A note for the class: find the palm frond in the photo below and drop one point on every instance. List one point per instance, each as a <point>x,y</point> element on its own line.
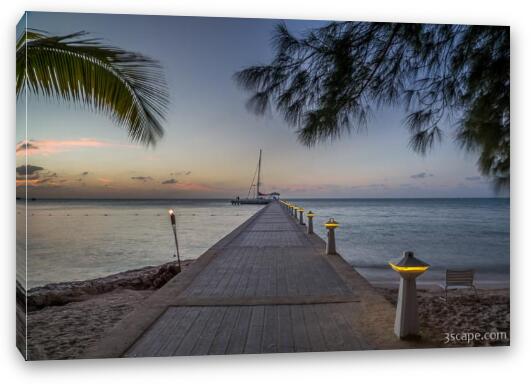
<point>126,86</point>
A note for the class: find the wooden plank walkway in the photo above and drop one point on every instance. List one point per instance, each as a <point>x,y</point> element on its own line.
<point>266,287</point>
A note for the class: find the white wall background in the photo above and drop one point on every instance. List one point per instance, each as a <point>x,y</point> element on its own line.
<point>435,366</point>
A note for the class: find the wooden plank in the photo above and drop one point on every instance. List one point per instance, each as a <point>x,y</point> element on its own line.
<point>285,331</point>
<point>245,275</point>
<point>163,341</point>
<point>270,331</point>
<point>206,338</point>
<point>256,328</point>
<point>221,340</point>
<point>145,346</point>
<point>346,335</point>
<point>238,337</point>
<point>231,276</point>
<point>333,339</point>
<point>194,332</point>
<point>261,300</point>
<point>346,312</point>
<point>313,329</point>
<point>300,336</point>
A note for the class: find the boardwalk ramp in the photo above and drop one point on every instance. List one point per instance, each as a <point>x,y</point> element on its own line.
<point>266,287</point>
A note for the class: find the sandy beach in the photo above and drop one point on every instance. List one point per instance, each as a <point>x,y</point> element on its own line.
<point>451,323</point>
<point>66,318</point>
<point>66,331</point>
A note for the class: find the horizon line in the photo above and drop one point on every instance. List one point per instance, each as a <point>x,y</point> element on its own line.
<point>228,198</point>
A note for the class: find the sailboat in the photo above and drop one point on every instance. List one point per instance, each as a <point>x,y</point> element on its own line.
<point>259,197</point>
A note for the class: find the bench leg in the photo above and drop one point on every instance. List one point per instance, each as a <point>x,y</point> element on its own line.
<point>476,292</point>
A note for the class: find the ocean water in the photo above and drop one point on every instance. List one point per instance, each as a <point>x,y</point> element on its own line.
<point>76,240</point>
<point>446,233</point>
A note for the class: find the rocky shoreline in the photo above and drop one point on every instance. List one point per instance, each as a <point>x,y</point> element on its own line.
<point>146,278</point>
<point>64,319</point>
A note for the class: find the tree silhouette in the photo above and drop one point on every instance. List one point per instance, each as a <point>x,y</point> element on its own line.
<point>126,86</point>
<point>331,79</point>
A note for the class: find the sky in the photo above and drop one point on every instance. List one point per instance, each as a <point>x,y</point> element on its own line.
<point>211,141</point>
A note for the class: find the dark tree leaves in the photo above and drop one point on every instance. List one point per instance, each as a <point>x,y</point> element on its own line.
<point>329,80</point>
<point>126,86</point>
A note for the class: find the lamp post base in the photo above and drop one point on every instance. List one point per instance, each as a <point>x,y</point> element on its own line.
<point>407,321</point>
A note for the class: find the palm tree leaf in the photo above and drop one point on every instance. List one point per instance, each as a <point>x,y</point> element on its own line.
<point>126,86</point>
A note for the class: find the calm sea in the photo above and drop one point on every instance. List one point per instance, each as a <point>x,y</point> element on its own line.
<point>76,240</point>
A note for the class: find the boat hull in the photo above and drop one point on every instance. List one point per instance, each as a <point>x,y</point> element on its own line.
<point>252,201</point>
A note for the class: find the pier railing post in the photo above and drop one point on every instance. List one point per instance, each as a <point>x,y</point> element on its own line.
<point>331,225</point>
<point>301,217</point>
<point>407,320</point>
<point>310,215</point>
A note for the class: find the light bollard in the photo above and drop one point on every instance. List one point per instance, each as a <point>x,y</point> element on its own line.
<point>331,226</point>
<point>294,213</point>
<point>301,219</point>
<point>407,320</point>
<point>310,216</point>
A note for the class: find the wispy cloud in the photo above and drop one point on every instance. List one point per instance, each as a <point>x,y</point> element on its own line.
<point>473,178</point>
<point>421,175</point>
<point>28,169</point>
<point>47,147</point>
<point>32,175</point>
<point>181,173</point>
<point>169,181</point>
<point>142,178</point>
<point>23,145</point>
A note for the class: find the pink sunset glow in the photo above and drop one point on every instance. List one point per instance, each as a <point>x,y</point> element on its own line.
<point>48,147</point>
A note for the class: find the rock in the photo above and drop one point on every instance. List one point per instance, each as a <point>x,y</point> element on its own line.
<point>147,278</point>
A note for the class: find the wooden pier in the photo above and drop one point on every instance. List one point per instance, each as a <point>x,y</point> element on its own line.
<point>266,287</point>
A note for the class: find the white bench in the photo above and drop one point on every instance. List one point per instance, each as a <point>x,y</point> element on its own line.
<point>459,278</point>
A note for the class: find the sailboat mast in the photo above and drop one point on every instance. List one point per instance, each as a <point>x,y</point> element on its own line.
<point>258,180</point>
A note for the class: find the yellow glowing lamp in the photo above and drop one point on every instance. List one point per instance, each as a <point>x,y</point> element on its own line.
<point>310,214</point>
<point>331,223</point>
<point>408,269</point>
<point>301,209</point>
<point>409,265</point>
